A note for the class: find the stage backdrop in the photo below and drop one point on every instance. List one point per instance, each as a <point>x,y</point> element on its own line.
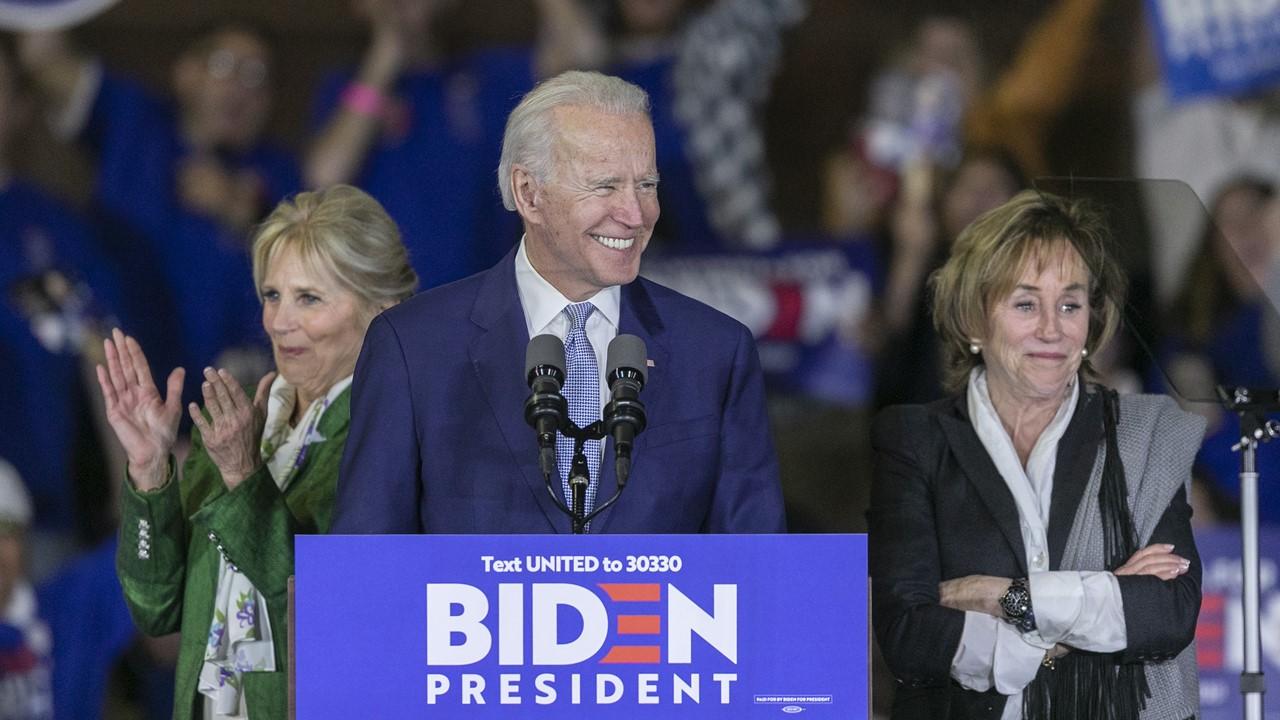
<point>1220,632</point>
<point>608,626</point>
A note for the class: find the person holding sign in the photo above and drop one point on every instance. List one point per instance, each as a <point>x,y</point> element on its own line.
<point>1030,538</point>
<point>209,554</point>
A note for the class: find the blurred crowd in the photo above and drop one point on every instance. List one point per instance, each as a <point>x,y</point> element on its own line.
<point>836,296</point>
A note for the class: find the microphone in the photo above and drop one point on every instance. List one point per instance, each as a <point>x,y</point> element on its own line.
<point>624,416</point>
<point>546,409</point>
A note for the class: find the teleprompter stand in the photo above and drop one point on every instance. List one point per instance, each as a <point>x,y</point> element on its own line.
<point>1252,405</point>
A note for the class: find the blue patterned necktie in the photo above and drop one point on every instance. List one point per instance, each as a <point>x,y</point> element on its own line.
<point>582,391</point>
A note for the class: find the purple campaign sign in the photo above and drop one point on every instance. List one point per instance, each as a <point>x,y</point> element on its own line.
<point>1220,629</point>
<point>555,626</point>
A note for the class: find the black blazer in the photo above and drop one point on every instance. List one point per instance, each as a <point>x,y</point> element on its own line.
<point>940,510</point>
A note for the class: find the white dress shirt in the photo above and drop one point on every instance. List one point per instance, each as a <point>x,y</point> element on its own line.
<point>544,313</point>
<point>1079,608</point>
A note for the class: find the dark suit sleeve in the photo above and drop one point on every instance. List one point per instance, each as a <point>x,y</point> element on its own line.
<point>748,493</point>
<point>379,485</point>
<point>917,636</point>
<point>1160,615</point>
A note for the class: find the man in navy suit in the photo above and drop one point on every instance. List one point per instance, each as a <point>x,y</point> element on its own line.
<point>438,441</point>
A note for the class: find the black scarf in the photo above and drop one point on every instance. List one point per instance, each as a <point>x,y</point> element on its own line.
<point>1085,684</point>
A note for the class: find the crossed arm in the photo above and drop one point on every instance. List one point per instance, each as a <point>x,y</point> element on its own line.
<point>1145,609</point>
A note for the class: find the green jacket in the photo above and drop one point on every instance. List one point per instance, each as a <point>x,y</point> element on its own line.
<point>170,540</point>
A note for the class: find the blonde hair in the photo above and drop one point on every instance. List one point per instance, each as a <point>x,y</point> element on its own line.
<point>345,232</point>
<point>990,256</point>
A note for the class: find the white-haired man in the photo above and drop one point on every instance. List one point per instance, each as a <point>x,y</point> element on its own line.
<point>438,440</point>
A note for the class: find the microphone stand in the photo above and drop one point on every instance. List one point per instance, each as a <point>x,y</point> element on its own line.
<point>580,477</point>
<point>1251,404</point>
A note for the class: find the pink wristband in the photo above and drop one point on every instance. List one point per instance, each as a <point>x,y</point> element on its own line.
<point>363,99</point>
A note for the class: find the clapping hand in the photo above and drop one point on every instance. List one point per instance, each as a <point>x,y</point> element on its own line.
<point>233,432</point>
<point>145,425</point>
<point>208,187</point>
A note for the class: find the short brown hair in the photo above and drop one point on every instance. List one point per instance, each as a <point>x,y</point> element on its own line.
<point>989,257</point>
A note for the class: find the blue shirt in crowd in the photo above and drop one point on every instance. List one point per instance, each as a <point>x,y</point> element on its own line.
<point>43,404</point>
<point>434,166</point>
<point>684,225</point>
<point>183,268</point>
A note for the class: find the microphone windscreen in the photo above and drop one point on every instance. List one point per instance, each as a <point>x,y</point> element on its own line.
<point>544,350</point>
<point>627,351</point>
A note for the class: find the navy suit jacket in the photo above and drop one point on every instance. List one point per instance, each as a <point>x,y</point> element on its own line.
<point>438,441</point>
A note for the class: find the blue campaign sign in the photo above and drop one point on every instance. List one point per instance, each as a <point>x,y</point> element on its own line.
<point>556,626</point>
<point>1208,47</point>
<point>1220,629</point>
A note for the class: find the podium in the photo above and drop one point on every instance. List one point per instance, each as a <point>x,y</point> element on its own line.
<point>600,626</point>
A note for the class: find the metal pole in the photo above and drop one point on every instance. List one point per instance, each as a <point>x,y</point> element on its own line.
<point>1252,682</point>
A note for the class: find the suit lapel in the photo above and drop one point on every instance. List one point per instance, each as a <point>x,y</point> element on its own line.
<point>984,476</point>
<point>637,316</point>
<point>497,356</point>
<point>1077,451</point>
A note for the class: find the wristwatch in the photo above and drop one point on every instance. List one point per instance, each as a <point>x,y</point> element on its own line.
<point>1016,603</point>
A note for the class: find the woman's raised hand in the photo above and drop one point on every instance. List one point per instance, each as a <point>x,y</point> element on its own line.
<point>145,425</point>
<point>1155,559</point>
<point>233,433</point>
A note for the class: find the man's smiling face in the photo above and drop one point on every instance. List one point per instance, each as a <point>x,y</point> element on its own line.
<point>592,217</point>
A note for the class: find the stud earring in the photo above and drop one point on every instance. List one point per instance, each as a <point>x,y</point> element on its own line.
<point>1084,352</point>
<point>975,348</point>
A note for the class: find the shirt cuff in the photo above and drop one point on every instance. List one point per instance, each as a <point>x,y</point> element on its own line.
<point>1081,609</point>
<point>971,666</point>
<point>1017,658</point>
<point>992,653</point>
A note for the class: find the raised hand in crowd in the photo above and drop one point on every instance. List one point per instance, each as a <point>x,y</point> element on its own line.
<point>400,35</point>
<point>915,235</point>
<point>54,65</point>
<point>394,27</point>
<point>207,186</point>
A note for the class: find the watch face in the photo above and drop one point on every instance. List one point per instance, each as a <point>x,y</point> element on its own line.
<point>1016,601</point>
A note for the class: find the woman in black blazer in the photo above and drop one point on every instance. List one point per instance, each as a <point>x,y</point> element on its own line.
<point>1030,542</point>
